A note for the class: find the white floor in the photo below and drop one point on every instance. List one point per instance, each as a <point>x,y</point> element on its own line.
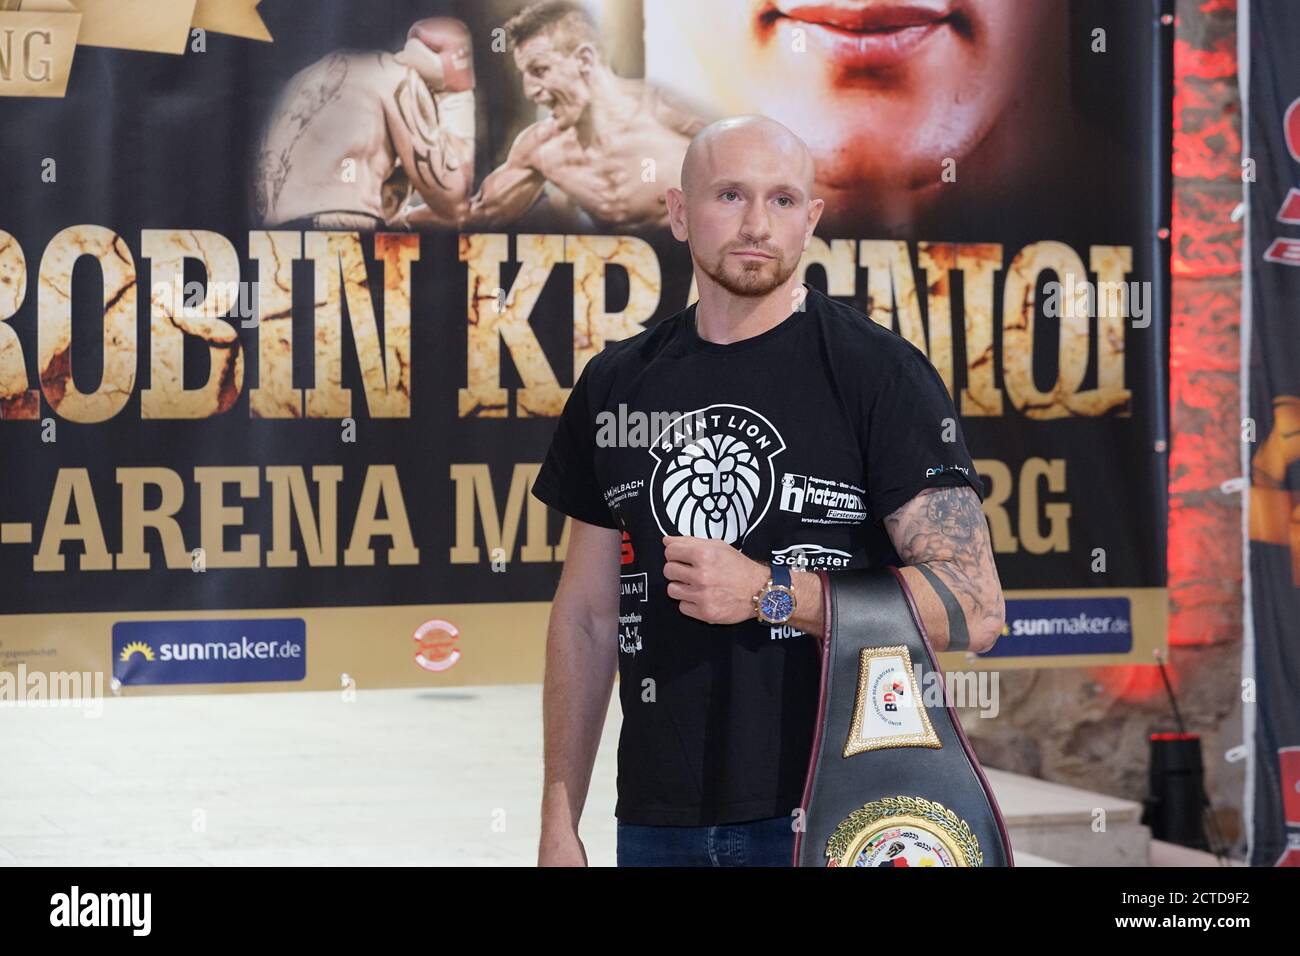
<point>396,777</point>
<point>382,777</point>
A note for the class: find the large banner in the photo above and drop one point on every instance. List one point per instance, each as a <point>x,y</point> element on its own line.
<point>1270,85</point>
<point>292,294</point>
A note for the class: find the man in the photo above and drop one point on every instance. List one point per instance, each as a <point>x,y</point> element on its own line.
<point>610,149</point>
<point>354,132</point>
<point>792,431</point>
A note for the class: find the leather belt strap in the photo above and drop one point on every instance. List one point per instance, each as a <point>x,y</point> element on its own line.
<point>893,780</point>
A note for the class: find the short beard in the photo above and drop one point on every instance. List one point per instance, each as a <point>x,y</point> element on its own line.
<point>750,283</point>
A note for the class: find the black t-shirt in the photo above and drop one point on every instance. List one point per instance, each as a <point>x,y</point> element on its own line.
<point>791,445</point>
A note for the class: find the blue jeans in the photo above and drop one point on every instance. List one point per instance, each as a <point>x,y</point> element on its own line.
<point>767,842</point>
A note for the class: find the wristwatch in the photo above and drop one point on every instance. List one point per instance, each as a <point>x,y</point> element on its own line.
<point>774,602</point>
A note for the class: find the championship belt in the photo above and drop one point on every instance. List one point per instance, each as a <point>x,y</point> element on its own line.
<point>892,780</point>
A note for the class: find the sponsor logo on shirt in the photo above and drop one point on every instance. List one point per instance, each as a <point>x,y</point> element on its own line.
<point>714,475</point>
<point>811,556</point>
<point>633,586</point>
<point>822,500</point>
<point>942,469</point>
<point>629,632</point>
<point>615,495</point>
<point>782,631</point>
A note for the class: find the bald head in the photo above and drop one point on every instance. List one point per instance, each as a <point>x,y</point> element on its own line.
<point>746,206</point>
<point>718,150</point>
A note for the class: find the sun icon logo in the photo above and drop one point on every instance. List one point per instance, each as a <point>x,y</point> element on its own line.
<point>136,647</point>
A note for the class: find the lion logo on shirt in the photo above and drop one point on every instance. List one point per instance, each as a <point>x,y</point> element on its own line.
<point>714,475</point>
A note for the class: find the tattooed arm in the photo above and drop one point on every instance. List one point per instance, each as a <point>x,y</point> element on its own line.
<point>434,140</point>
<point>310,91</point>
<point>942,538</point>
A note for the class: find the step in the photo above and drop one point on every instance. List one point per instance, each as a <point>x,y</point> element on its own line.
<point>1068,825</point>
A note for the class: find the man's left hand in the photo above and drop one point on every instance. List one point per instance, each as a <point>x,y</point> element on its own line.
<point>712,580</point>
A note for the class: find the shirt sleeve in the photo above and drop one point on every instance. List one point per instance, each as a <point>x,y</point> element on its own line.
<point>906,426</point>
<point>567,479</point>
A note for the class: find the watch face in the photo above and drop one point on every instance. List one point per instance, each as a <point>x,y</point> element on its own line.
<point>777,606</point>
